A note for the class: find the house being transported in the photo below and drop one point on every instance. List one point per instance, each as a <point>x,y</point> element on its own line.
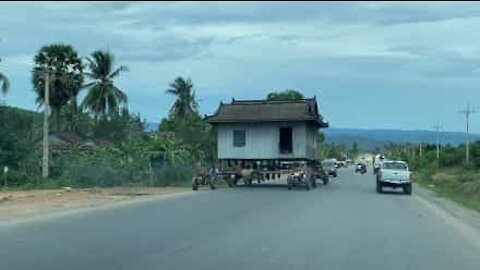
<point>252,132</point>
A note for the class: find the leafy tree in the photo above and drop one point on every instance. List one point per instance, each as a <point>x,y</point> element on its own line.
<point>4,82</point>
<point>75,121</point>
<point>103,96</point>
<point>17,133</point>
<point>196,133</point>
<point>66,70</point>
<point>355,150</point>
<point>185,104</point>
<point>288,94</point>
<point>118,127</point>
<point>168,151</point>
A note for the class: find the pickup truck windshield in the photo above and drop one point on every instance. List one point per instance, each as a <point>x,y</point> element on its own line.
<point>395,166</point>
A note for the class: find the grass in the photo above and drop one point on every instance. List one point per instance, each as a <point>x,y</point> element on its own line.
<point>457,185</point>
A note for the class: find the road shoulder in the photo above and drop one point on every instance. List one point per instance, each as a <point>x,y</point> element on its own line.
<point>465,220</point>
<point>32,205</point>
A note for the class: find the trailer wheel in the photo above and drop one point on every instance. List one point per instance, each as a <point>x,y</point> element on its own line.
<point>307,186</point>
<point>325,180</point>
<point>229,182</point>
<point>313,181</point>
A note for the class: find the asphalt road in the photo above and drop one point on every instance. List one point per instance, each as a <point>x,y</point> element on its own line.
<point>344,225</point>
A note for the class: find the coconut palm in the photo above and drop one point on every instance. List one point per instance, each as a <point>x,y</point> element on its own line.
<point>185,104</point>
<point>103,96</point>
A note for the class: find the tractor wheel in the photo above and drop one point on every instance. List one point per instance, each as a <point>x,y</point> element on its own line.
<point>194,184</point>
<point>229,182</point>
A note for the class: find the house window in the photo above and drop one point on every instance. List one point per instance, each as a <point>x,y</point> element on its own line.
<point>286,144</point>
<point>239,138</point>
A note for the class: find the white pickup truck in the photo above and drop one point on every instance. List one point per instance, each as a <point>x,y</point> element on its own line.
<point>394,174</point>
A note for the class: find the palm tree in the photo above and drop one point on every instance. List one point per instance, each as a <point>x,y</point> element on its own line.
<point>66,75</point>
<point>185,105</point>
<point>103,96</point>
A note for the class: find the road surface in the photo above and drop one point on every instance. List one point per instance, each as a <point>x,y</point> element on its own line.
<point>344,225</point>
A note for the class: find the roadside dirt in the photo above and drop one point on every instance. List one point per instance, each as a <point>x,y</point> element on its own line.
<point>24,204</point>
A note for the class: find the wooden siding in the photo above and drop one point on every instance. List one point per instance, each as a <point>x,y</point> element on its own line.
<point>262,141</point>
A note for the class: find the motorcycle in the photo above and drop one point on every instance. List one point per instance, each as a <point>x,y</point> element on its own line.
<point>361,168</point>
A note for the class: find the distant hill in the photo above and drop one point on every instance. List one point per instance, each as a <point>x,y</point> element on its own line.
<point>369,139</point>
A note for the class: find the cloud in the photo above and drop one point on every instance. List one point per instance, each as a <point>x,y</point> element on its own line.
<point>236,49</point>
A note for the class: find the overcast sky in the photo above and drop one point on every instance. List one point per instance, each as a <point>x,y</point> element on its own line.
<point>371,65</point>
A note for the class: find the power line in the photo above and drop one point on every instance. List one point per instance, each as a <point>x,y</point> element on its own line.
<point>467,112</point>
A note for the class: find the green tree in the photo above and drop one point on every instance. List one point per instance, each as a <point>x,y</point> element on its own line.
<point>118,127</point>
<point>167,150</point>
<point>185,104</point>
<point>103,96</point>
<point>17,133</point>
<point>288,94</point>
<point>196,133</point>
<point>66,75</point>
<point>4,82</point>
<point>355,150</point>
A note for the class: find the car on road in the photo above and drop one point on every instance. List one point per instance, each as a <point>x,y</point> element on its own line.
<point>341,164</point>
<point>349,161</point>
<point>394,174</point>
<point>330,167</point>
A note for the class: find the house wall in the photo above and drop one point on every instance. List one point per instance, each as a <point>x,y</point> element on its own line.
<point>262,141</point>
<point>311,143</point>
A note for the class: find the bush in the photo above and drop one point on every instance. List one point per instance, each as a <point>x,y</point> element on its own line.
<point>169,175</point>
<point>105,167</point>
<point>464,178</point>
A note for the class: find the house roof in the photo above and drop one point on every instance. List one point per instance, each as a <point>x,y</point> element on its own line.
<point>69,137</point>
<point>268,111</point>
<point>61,138</point>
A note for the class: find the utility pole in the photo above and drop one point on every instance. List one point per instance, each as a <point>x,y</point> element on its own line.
<point>467,112</point>
<point>438,128</point>
<point>46,105</point>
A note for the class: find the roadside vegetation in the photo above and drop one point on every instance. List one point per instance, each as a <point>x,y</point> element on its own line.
<point>103,143</point>
<point>449,175</point>
<point>95,141</point>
